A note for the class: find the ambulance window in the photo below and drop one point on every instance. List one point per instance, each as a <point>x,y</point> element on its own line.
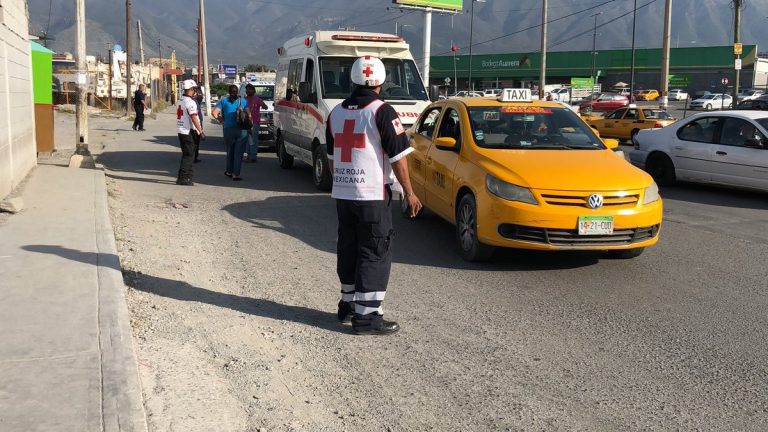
<point>427,123</point>
<point>309,75</point>
<point>294,75</point>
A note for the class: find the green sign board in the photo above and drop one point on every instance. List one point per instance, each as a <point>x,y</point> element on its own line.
<point>441,4</point>
<point>582,83</point>
<point>679,80</point>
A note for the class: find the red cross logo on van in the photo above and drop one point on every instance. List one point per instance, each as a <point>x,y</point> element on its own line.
<point>348,139</point>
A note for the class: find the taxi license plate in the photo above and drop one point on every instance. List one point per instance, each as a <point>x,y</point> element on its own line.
<point>595,225</point>
<point>263,132</point>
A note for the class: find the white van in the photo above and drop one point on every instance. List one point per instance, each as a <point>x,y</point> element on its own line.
<point>313,77</point>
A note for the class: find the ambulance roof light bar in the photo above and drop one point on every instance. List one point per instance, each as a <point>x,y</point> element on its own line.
<point>368,38</point>
<point>515,95</point>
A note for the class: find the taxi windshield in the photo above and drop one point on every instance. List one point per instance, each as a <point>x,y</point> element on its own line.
<point>526,127</point>
<point>402,79</point>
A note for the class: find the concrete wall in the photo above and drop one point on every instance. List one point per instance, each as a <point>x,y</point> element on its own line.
<point>17,117</point>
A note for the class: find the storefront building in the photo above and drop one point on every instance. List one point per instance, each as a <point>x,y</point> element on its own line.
<point>701,67</point>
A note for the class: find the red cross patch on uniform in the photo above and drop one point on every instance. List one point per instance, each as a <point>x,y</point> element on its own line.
<point>398,126</point>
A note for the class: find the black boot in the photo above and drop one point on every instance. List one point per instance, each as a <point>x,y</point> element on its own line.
<point>184,181</point>
<point>373,325</point>
<point>345,311</point>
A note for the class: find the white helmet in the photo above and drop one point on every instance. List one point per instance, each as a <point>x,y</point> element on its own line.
<point>188,84</point>
<point>368,71</point>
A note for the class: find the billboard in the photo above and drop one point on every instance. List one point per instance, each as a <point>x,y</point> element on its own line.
<point>227,70</point>
<point>441,4</point>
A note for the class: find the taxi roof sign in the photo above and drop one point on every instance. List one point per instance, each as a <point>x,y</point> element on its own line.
<point>515,95</point>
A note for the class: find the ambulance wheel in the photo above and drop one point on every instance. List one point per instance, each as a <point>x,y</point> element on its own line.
<point>320,173</point>
<point>286,160</point>
<point>466,231</point>
<point>405,209</point>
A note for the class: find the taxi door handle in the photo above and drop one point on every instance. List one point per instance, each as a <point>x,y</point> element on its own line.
<point>679,148</point>
<point>721,153</point>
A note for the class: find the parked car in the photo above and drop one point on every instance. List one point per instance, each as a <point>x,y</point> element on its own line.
<point>761,103</point>
<point>647,95</point>
<point>677,95</point>
<point>712,101</point>
<point>491,92</point>
<point>561,94</point>
<point>605,102</point>
<point>749,94</point>
<point>465,93</point>
<point>726,148</point>
<point>624,91</point>
<point>624,123</point>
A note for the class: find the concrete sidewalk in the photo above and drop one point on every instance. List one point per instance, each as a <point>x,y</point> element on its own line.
<point>67,361</point>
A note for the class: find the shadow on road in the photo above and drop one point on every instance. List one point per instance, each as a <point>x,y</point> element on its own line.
<point>183,291</point>
<point>427,241</point>
<point>716,196</point>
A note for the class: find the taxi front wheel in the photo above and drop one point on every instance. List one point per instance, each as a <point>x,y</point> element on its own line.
<point>466,231</point>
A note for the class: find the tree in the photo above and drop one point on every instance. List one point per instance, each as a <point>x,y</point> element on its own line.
<point>250,67</point>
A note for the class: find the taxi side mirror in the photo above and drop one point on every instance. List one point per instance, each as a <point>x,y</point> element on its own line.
<point>611,143</point>
<point>446,143</point>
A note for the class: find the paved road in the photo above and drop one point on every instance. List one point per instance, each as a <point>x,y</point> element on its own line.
<point>673,340</point>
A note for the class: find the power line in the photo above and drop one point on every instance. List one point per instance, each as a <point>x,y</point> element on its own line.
<point>535,26</point>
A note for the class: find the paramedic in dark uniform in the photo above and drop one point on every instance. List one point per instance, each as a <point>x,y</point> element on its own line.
<point>366,145</point>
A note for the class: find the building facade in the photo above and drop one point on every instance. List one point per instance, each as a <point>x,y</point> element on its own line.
<point>702,68</point>
<point>17,115</point>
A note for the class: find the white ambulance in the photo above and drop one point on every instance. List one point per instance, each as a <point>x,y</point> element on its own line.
<point>313,77</point>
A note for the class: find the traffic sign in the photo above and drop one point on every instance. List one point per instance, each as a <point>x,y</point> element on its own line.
<point>447,80</point>
<point>724,81</point>
<point>679,80</point>
<point>737,64</point>
<point>737,48</point>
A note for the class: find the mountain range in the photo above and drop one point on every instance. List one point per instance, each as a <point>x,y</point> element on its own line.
<point>250,31</point>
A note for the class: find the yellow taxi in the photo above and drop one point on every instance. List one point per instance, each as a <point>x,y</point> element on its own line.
<point>624,123</point>
<point>512,172</point>
<point>647,95</point>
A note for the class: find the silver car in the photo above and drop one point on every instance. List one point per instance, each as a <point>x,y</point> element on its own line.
<point>712,101</point>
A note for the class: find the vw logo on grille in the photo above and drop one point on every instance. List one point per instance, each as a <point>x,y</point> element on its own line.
<point>595,201</point>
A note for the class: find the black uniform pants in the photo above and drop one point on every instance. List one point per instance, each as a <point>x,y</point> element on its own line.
<point>138,122</point>
<point>187,144</point>
<point>363,256</point>
<point>196,138</point>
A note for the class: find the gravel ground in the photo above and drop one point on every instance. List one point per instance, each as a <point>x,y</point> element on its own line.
<point>232,291</point>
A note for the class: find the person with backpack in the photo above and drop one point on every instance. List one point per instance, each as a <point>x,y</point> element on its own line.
<point>235,134</point>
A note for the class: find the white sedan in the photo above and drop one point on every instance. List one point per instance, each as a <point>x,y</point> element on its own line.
<point>677,95</point>
<point>712,101</point>
<point>727,148</point>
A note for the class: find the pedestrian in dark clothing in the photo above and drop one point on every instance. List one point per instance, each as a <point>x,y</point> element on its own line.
<point>187,121</point>
<point>366,145</point>
<point>139,105</point>
<point>198,100</point>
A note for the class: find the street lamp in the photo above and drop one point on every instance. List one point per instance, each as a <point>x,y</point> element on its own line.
<point>471,23</point>
<point>594,52</point>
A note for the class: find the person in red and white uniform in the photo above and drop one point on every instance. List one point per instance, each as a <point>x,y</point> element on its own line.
<point>367,148</point>
<point>187,124</point>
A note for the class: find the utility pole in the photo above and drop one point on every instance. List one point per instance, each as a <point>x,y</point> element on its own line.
<point>543,67</point>
<point>141,42</point>
<point>594,54</point>
<point>665,53</point>
<point>128,95</point>
<point>205,59</point>
<point>632,66</point>
<point>471,24</point>
<point>737,5</point>
<point>199,49</point>
<point>109,68</point>
<point>427,43</point>
<point>81,106</point>
<point>82,157</point>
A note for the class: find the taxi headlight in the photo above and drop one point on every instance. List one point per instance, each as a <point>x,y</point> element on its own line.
<point>651,194</point>
<point>509,191</point>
